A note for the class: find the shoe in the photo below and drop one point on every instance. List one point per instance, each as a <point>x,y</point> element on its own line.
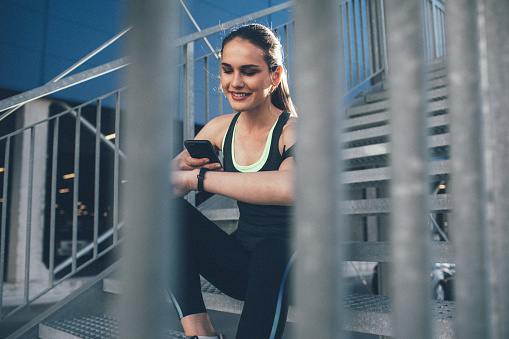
<point>219,336</point>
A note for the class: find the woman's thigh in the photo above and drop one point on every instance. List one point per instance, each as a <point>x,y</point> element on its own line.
<point>218,257</point>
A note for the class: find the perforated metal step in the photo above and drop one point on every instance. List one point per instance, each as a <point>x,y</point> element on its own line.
<point>93,327</point>
<point>373,314</point>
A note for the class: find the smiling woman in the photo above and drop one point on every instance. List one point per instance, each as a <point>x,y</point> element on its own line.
<point>258,171</point>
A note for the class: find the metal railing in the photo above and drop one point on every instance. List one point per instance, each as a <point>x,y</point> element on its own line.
<point>81,196</point>
<point>362,36</point>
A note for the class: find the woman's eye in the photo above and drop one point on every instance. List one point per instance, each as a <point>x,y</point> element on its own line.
<point>227,71</point>
<point>249,73</point>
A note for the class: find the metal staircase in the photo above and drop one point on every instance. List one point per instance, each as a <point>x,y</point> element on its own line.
<point>87,313</point>
<point>90,311</point>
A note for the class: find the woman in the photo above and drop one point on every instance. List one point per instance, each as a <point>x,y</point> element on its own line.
<point>258,172</point>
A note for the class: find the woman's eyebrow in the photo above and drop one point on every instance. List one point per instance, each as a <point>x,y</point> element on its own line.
<point>242,67</point>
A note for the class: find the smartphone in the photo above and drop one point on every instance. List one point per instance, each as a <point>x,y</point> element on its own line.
<point>202,149</point>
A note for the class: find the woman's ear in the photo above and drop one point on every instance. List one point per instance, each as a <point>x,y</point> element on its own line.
<point>276,76</point>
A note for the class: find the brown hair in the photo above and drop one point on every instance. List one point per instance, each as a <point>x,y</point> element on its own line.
<point>263,37</point>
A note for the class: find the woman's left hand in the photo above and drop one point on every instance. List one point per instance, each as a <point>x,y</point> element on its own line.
<point>184,182</point>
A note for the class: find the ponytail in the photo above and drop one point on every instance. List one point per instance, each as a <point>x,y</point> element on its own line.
<point>281,98</point>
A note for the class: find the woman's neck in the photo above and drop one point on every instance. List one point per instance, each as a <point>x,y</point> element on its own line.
<point>261,119</point>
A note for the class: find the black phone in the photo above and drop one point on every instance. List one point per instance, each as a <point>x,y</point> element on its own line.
<point>202,149</point>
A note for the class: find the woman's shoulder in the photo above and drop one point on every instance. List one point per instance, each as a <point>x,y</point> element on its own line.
<point>216,128</point>
<point>289,133</point>
<point>221,122</point>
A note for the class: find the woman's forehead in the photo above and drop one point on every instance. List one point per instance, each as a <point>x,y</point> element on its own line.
<point>241,50</point>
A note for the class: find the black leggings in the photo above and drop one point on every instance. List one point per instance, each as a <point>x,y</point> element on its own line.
<point>257,277</point>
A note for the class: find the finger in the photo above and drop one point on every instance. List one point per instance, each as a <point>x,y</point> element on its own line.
<point>214,166</point>
<point>194,162</point>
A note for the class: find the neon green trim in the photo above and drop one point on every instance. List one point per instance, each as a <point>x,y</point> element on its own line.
<point>263,159</point>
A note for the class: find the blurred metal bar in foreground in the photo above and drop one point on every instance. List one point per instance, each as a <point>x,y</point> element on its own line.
<point>318,221</point>
<point>409,231</point>
<point>468,222</point>
<point>147,138</point>
<point>494,47</point>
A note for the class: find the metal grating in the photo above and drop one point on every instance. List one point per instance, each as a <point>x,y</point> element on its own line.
<point>382,304</point>
<point>92,327</point>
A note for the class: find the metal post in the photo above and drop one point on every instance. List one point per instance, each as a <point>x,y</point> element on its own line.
<point>409,234</point>
<point>319,223</point>
<point>189,92</point>
<point>147,206</point>
<point>494,48</point>
<point>3,221</point>
<point>467,176</point>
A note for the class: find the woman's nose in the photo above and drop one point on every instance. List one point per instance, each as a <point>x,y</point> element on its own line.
<point>237,80</point>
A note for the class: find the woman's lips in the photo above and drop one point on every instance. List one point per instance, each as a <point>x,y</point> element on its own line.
<point>239,96</point>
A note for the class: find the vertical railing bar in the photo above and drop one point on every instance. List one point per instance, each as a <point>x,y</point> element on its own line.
<point>29,213</point>
<point>350,76</point>
<point>184,84</point>
<point>77,137</point>
<point>207,101</point>
<point>379,37</point>
<point>365,57</point>
<point>287,53</point>
<point>116,170</point>
<point>384,36</point>
<point>409,187</point>
<point>442,36</point>
<point>342,40</point>
<point>435,27</point>
<point>426,27</point>
<point>220,91</point>
<point>148,257</point>
<point>372,38</point>
<point>54,179</point>
<point>188,121</point>
<point>356,42</point>
<point>97,178</point>
<point>468,185</point>
<point>375,47</point>
<point>493,28</point>
<point>318,226</point>
<point>3,226</point>
<point>189,111</point>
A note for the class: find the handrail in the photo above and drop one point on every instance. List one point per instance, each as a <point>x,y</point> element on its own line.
<point>61,84</point>
<point>199,29</point>
<point>232,23</point>
<point>91,54</point>
<point>76,65</point>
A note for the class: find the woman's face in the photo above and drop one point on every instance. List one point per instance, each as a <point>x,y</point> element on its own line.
<point>245,78</point>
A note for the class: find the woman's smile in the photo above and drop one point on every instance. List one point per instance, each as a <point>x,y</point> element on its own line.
<point>239,96</point>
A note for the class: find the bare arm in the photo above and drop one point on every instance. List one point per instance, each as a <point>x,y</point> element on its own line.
<point>263,188</point>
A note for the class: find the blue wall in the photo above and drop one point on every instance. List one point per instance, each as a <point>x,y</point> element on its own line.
<point>39,39</point>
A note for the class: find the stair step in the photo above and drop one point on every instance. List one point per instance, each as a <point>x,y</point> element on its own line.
<point>374,251</point>
<point>373,314</point>
<point>222,214</point>
<point>436,90</point>
<point>373,177</point>
<point>369,207</point>
<point>91,327</point>
<point>365,313</point>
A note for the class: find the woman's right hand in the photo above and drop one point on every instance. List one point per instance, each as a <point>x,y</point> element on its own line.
<point>184,162</point>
